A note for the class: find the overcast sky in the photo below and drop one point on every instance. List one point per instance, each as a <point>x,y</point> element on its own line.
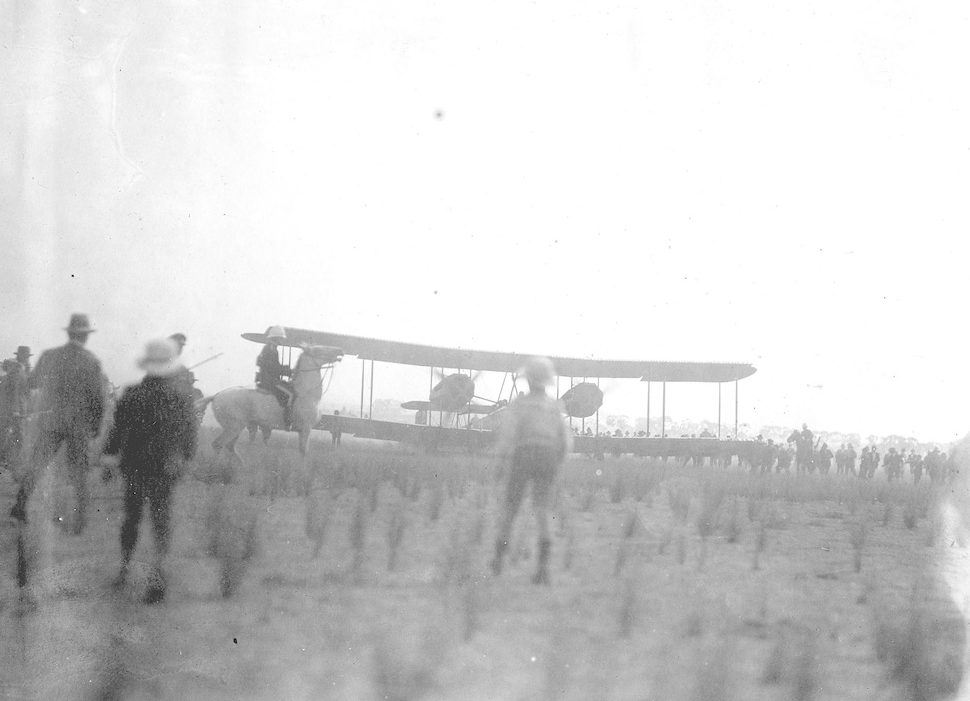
<point>780,184</point>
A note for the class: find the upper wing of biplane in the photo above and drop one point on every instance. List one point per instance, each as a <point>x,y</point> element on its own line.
<point>438,356</point>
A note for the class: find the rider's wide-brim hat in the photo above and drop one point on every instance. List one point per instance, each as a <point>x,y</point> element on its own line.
<point>161,358</point>
<point>79,323</point>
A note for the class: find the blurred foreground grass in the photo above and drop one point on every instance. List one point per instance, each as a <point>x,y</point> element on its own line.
<point>364,576</point>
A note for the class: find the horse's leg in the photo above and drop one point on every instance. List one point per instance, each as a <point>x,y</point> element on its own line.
<point>233,458</point>
<point>304,443</point>
<point>267,432</point>
<point>251,427</point>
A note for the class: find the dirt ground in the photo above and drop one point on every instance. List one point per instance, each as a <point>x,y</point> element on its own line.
<point>667,583</point>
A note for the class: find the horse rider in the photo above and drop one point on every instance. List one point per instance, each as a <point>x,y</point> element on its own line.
<point>71,406</point>
<point>270,373</point>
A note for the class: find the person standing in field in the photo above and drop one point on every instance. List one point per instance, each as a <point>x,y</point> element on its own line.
<point>154,435</point>
<point>23,357</point>
<point>824,459</point>
<point>534,440</point>
<point>71,408</point>
<point>13,406</point>
<point>336,431</point>
<point>850,457</point>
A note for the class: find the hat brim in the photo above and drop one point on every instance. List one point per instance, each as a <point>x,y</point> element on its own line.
<point>160,368</point>
<point>74,329</point>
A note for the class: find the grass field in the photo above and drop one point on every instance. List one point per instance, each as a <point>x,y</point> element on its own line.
<point>668,583</point>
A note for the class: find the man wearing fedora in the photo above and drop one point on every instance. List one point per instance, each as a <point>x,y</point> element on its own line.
<point>154,434</point>
<point>71,407</point>
<point>23,357</point>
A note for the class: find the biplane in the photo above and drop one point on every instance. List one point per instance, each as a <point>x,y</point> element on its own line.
<point>454,416</point>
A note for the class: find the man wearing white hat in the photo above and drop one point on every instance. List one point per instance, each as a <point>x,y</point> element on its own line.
<point>534,439</point>
<point>154,434</point>
<point>71,407</point>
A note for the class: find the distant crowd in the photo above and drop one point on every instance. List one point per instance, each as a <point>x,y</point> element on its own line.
<point>804,453</point>
<point>809,454</point>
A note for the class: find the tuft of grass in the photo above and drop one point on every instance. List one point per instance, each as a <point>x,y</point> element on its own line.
<point>436,502</point>
<point>471,607</point>
<point>679,500</point>
<point>681,548</point>
<point>478,529</point>
<point>621,557</point>
<point>759,546</point>
<point>414,490</point>
<point>456,564</point>
<point>358,538</point>
<point>626,615</point>
<point>631,524</point>
<point>694,624</point>
<point>618,489</point>
<point>402,672</point>
<point>716,676</point>
<point>560,662</point>
<point>857,537</point>
<point>317,520</point>
<point>910,514</point>
<point>570,550</point>
<point>922,653</point>
<point>805,684</point>
<point>777,661</point>
<point>395,534</point>
<point>732,529</point>
<point>887,514</point>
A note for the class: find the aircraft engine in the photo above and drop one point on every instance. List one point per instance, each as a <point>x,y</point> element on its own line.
<point>583,400</point>
<point>453,393</point>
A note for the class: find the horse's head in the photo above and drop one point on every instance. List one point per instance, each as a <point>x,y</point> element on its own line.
<point>315,357</point>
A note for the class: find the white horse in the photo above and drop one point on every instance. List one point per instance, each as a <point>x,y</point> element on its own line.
<point>238,407</point>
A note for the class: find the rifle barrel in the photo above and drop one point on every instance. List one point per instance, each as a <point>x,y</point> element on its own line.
<point>203,362</point>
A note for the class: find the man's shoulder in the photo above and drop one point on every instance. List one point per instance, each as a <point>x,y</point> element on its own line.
<point>73,351</point>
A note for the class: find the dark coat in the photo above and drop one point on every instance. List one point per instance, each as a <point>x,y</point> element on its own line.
<point>13,392</point>
<point>71,388</point>
<point>154,427</point>
<point>185,380</point>
<point>271,370</point>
